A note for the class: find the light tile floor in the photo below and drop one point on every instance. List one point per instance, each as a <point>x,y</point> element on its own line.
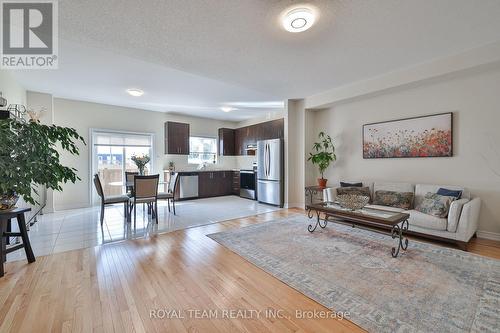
<point>81,228</point>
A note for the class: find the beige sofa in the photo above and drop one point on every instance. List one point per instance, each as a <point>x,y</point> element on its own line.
<point>460,225</point>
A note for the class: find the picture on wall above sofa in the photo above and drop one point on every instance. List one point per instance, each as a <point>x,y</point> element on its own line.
<point>426,136</point>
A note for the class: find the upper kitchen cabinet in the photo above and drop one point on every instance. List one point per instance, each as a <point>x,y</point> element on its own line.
<point>226,142</point>
<point>249,135</point>
<point>272,129</point>
<point>176,138</point>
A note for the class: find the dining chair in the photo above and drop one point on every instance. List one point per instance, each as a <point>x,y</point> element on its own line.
<point>129,177</point>
<point>146,191</point>
<point>109,200</point>
<point>170,194</point>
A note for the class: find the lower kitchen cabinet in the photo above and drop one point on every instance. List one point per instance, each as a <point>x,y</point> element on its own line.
<point>236,183</point>
<point>215,183</point>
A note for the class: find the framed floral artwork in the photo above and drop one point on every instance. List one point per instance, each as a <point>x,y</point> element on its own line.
<point>426,136</point>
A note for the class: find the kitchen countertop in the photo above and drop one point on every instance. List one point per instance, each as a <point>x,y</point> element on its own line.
<point>199,171</point>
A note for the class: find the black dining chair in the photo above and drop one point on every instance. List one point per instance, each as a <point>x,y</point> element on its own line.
<point>110,200</point>
<point>146,191</point>
<point>170,194</point>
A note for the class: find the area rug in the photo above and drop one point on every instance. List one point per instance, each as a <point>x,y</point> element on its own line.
<point>428,288</point>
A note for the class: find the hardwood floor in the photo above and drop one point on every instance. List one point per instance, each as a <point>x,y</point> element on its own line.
<point>114,288</point>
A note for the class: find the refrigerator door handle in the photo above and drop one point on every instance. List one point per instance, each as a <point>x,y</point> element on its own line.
<point>266,160</point>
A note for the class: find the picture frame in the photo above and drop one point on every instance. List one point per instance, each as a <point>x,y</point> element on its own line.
<point>415,137</point>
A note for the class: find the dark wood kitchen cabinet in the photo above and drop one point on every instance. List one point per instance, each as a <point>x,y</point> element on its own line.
<point>236,183</point>
<point>176,138</point>
<point>214,183</point>
<point>274,129</point>
<point>226,142</point>
<point>205,184</point>
<point>225,182</point>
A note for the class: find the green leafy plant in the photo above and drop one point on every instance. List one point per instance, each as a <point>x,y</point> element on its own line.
<point>29,156</point>
<point>323,153</point>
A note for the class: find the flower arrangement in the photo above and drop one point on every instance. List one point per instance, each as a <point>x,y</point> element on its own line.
<point>141,161</point>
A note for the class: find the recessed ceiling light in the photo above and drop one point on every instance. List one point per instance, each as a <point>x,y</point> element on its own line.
<point>135,92</point>
<point>227,108</point>
<point>298,19</point>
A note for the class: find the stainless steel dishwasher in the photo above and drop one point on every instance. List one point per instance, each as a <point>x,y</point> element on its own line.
<point>188,185</point>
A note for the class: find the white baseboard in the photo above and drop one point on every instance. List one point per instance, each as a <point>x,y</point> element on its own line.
<point>488,235</point>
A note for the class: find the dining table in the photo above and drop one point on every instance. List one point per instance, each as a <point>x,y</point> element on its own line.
<point>131,184</point>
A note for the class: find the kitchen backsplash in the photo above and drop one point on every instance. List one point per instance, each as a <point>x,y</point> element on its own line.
<point>223,162</point>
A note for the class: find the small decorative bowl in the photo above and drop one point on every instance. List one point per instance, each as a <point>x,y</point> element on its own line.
<point>353,201</point>
<point>8,201</point>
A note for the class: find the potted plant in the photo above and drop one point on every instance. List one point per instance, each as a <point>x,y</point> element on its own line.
<point>28,156</point>
<point>323,154</point>
<point>141,162</point>
<point>171,166</point>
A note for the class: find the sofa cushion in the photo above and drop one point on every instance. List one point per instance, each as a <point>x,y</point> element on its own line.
<point>365,191</point>
<point>422,189</point>
<point>427,221</point>
<point>435,205</point>
<point>450,193</point>
<point>388,208</point>
<point>395,187</point>
<point>394,199</point>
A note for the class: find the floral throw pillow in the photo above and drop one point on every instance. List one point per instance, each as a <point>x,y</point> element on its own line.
<point>364,191</point>
<point>402,200</point>
<point>435,205</point>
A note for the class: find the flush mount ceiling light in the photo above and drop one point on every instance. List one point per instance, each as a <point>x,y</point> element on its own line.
<point>298,19</point>
<point>135,92</point>
<point>227,108</point>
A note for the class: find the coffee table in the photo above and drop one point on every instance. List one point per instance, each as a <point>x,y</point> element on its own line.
<point>366,218</point>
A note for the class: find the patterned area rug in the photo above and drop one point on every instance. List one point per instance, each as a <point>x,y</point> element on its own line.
<point>426,289</point>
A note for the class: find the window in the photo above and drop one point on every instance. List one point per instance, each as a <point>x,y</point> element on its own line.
<point>112,155</point>
<point>202,150</point>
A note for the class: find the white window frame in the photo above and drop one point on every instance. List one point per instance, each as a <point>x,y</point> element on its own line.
<point>204,137</point>
<point>93,160</point>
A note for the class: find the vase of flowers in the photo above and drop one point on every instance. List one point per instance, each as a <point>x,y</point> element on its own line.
<point>141,161</point>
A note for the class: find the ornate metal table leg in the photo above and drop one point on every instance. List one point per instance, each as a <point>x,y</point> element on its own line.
<point>310,228</point>
<point>404,229</point>
<point>397,231</point>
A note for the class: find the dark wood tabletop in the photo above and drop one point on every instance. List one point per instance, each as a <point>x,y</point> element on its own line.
<point>367,215</point>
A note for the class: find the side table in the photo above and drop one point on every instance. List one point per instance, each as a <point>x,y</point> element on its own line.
<point>311,191</point>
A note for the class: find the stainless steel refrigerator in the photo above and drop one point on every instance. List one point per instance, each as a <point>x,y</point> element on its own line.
<point>270,180</point>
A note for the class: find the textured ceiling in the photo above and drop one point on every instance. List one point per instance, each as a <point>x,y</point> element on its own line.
<point>241,44</point>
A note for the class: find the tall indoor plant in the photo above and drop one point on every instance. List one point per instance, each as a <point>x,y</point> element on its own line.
<point>30,155</point>
<point>323,154</point>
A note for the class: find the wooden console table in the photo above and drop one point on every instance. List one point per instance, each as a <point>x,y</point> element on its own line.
<point>5,218</point>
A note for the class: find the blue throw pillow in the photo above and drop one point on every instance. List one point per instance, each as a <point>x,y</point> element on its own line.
<point>342,184</point>
<point>450,193</point>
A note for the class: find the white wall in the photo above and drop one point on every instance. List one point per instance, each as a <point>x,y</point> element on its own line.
<point>295,153</point>
<point>84,115</point>
<point>11,89</point>
<point>473,97</point>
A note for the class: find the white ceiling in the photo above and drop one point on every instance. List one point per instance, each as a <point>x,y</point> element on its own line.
<point>193,56</point>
